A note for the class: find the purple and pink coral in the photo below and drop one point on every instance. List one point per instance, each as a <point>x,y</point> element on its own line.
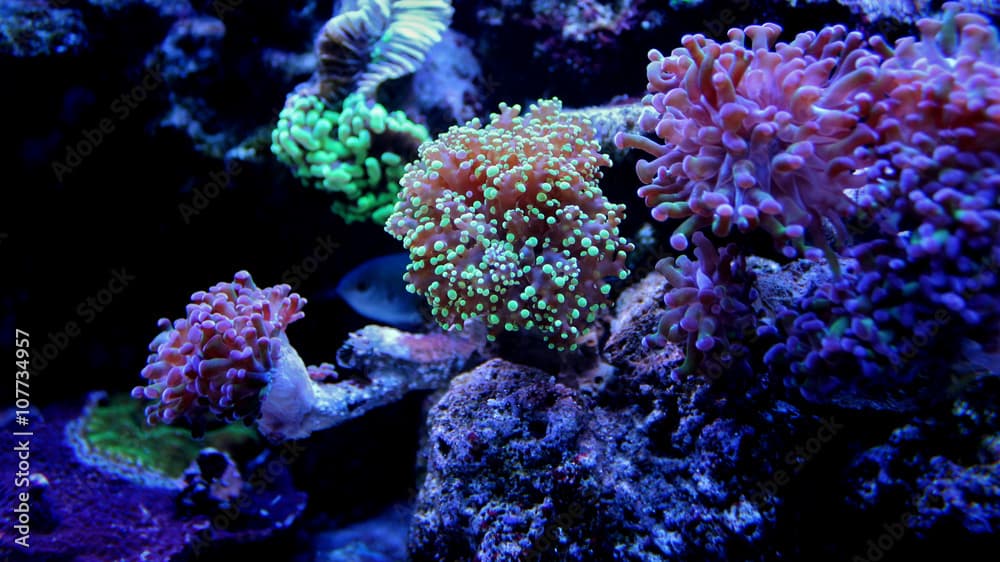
<point>216,360</point>
<point>756,135</point>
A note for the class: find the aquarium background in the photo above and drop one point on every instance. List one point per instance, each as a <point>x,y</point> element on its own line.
<point>180,190</point>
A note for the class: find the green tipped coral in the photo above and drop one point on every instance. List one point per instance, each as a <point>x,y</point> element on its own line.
<point>356,150</point>
<point>507,222</point>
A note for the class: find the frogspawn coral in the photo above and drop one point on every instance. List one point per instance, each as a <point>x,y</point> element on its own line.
<point>229,359</point>
<point>935,189</point>
<point>214,362</point>
<point>867,341</point>
<point>507,223</point>
<point>757,135</point>
<point>891,332</point>
<point>706,302</point>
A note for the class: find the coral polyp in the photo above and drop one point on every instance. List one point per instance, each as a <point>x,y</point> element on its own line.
<point>798,320</point>
<point>354,149</point>
<point>756,134</point>
<point>214,362</point>
<point>506,222</point>
<point>935,188</point>
<point>933,195</point>
<point>706,303</point>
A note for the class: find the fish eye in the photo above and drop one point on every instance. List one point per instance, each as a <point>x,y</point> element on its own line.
<point>363,286</point>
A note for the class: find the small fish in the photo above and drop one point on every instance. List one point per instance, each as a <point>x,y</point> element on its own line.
<point>974,363</point>
<point>376,290</point>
